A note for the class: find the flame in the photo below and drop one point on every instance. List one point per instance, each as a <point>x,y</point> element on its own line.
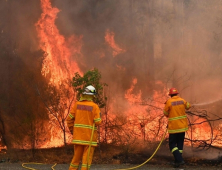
<point>120,68</point>
<point>143,118</point>
<point>145,114</point>
<point>109,38</point>
<point>58,62</point>
<point>132,98</point>
<point>201,131</point>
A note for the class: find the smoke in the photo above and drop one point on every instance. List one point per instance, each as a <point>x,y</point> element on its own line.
<point>176,42</point>
<point>17,23</point>
<point>173,42</point>
<point>212,153</point>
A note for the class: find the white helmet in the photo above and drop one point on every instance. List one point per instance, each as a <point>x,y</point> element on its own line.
<point>89,90</point>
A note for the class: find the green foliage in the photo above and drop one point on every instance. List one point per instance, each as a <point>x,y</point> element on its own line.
<point>91,77</point>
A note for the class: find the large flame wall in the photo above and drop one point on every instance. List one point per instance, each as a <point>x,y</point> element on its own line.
<point>141,49</point>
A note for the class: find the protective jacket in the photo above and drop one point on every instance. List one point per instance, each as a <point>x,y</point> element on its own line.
<point>175,111</point>
<point>80,122</point>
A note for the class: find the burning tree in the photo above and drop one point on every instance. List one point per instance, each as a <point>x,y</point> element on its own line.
<point>58,101</point>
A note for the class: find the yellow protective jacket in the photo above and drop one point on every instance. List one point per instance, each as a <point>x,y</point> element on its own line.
<point>175,111</point>
<point>80,122</point>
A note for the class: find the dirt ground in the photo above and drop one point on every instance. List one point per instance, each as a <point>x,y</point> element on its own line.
<point>18,166</point>
<point>110,158</point>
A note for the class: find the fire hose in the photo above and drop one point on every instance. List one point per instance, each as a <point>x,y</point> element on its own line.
<point>132,167</point>
<point>23,165</point>
<point>149,157</point>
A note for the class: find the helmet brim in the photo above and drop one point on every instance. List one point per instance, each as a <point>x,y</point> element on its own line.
<point>86,93</point>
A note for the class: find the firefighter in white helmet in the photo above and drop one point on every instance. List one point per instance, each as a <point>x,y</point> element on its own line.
<point>80,123</point>
<point>177,124</point>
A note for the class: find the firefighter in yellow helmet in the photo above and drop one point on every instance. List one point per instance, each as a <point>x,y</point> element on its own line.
<point>174,110</point>
<point>80,123</point>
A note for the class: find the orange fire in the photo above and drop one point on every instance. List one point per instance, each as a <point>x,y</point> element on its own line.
<point>109,38</point>
<point>142,116</point>
<point>133,98</point>
<point>146,115</point>
<point>58,63</point>
<point>200,131</point>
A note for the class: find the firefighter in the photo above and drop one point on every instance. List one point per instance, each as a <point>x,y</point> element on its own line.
<point>174,110</point>
<point>80,123</point>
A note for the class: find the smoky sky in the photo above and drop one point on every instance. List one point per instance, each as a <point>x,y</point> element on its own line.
<point>17,22</point>
<point>175,42</point>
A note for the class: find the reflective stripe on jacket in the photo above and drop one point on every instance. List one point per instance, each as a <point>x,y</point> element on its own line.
<point>80,121</point>
<point>175,111</point>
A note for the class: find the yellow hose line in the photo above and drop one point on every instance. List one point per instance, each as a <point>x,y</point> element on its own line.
<point>90,144</point>
<point>135,166</point>
<point>148,158</point>
<point>23,165</point>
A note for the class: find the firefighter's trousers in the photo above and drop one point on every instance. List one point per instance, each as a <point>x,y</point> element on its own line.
<point>80,155</point>
<point>176,142</point>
